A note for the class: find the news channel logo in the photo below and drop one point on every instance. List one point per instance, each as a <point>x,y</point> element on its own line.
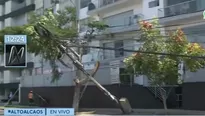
<point>38,112</point>
<point>15,51</point>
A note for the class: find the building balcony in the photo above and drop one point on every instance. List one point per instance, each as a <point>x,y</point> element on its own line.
<point>121,28</point>
<point>18,4</point>
<point>182,11</point>
<point>104,6</point>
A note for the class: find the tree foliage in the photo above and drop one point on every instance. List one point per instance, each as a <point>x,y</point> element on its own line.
<point>163,69</point>
<point>62,25</point>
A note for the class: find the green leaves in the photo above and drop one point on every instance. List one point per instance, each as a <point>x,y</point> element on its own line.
<point>98,25</point>
<point>164,69</point>
<point>61,25</point>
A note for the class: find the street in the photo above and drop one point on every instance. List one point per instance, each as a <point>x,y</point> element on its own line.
<point>109,112</point>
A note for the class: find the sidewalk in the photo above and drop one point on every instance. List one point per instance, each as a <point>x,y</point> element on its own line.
<point>103,111</point>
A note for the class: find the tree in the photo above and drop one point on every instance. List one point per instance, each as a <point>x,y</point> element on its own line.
<point>163,69</point>
<point>63,27</point>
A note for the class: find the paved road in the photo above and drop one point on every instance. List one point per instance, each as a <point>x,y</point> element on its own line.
<point>109,112</point>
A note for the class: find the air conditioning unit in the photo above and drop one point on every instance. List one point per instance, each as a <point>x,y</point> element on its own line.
<point>91,6</point>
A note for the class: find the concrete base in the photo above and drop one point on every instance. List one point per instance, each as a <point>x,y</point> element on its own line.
<point>125,105</point>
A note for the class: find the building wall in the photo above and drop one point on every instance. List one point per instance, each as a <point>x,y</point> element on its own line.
<point>118,15</point>
<point>150,13</point>
<point>189,17</point>
<point>195,35</point>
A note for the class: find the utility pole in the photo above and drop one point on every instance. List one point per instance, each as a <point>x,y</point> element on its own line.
<point>76,97</point>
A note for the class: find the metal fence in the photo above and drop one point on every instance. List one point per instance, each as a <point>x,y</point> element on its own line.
<point>106,75</point>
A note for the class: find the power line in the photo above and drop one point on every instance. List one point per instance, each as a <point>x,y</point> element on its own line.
<point>145,52</point>
<point>171,25</point>
<point>135,38</point>
<point>138,30</point>
<point>193,33</point>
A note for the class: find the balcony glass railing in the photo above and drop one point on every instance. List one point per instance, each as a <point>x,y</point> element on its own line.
<point>102,3</point>
<point>123,24</point>
<point>192,6</point>
<point>18,5</point>
<point>112,54</point>
<point>106,2</point>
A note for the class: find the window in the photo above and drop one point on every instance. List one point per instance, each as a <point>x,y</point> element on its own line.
<point>173,2</point>
<point>84,3</point>
<point>126,77</point>
<point>63,1</point>
<point>154,3</point>
<point>85,50</point>
<point>20,1</point>
<point>83,25</point>
<point>39,11</point>
<point>108,53</point>
<point>30,71</point>
<point>119,45</point>
<point>125,19</point>
<point>1,74</point>
<point>104,51</point>
<point>38,71</point>
<point>130,21</point>
<point>20,72</point>
<point>54,1</point>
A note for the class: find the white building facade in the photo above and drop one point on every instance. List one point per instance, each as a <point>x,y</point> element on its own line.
<point>188,14</point>
<point>14,13</point>
<point>122,17</point>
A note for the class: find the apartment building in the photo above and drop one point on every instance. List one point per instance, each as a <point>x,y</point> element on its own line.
<point>188,14</point>
<point>122,17</point>
<point>41,76</point>
<point>14,13</point>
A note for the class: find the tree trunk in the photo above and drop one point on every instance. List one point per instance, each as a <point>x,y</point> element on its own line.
<point>77,93</point>
<point>164,98</point>
<point>76,97</point>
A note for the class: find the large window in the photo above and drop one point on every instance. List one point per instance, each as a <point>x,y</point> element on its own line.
<point>107,53</point>
<point>83,25</point>
<point>154,3</point>
<point>126,77</point>
<point>119,45</point>
<point>84,3</point>
<point>85,50</point>
<point>119,21</point>
<point>173,2</point>
<point>124,18</point>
